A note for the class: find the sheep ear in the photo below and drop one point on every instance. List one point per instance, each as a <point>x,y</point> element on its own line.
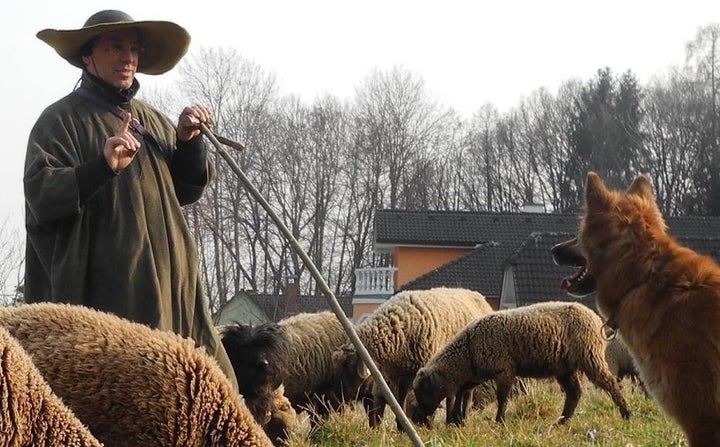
<point>362,370</point>
<point>437,380</point>
<point>641,187</point>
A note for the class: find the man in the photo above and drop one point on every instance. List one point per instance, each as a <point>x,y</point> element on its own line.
<point>105,178</point>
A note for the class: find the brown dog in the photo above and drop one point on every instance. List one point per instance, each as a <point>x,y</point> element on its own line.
<point>662,297</point>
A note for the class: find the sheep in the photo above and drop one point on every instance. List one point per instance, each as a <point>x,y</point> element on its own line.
<point>403,333</point>
<point>310,380</point>
<point>132,385</point>
<point>258,354</point>
<point>621,363</point>
<point>552,339</point>
<point>31,415</point>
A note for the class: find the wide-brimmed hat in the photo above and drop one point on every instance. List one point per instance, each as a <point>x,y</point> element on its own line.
<point>165,43</point>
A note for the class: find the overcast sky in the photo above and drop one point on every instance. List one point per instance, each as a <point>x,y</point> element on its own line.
<point>468,52</point>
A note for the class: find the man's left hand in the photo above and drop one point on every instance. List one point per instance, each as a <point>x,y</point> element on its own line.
<point>189,122</point>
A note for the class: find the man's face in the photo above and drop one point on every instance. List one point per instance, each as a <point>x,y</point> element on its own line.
<point>114,57</point>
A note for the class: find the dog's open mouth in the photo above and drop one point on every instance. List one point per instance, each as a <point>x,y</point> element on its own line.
<point>580,283</point>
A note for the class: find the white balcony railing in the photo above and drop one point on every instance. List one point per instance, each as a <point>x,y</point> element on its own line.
<point>375,281</point>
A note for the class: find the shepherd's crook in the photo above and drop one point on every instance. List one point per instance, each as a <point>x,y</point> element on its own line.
<point>332,301</point>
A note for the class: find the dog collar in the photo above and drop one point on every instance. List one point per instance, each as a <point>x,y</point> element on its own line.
<point>611,327</point>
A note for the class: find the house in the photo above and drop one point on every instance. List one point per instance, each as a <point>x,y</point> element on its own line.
<point>250,307</point>
<point>505,256</point>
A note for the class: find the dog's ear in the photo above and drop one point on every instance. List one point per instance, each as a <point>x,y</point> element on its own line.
<point>596,194</point>
<point>641,187</point>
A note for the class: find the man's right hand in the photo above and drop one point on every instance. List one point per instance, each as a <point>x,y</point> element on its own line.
<point>120,149</point>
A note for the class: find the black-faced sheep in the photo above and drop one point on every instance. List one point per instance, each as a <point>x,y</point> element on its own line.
<point>31,415</point>
<point>403,333</point>
<point>130,384</point>
<point>554,339</point>
<point>258,355</point>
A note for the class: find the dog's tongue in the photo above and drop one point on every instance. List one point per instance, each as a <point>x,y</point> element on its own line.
<point>565,284</point>
<point>568,280</point>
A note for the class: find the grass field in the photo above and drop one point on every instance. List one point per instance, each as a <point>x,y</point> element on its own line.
<point>530,421</point>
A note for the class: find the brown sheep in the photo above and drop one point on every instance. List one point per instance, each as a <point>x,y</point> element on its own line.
<point>403,333</point>
<point>31,415</point>
<point>553,339</point>
<point>132,385</point>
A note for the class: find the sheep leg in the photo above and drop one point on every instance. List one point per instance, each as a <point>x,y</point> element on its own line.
<point>602,378</point>
<point>503,386</point>
<point>403,387</point>
<point>457,415</point>
<point>570,384</point>
<point>377,409</point>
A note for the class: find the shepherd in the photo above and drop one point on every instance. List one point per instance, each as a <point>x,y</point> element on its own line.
<point>106,177</point>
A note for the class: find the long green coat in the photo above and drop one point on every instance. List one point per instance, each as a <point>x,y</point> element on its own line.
<point>116,242</point>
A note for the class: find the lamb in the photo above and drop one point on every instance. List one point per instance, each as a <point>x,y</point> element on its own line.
<point>31,415</point>
<point>132,385</point>
<point>552,339</point>
<point>403,333</point>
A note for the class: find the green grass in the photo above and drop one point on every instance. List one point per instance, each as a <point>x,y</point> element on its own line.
<point>529,421</point>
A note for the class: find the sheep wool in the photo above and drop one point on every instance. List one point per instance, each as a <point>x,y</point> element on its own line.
<point>31,415</point>
<point>309,375</point>
<point>552,339</point>
<point>132,385</point>
<point>406,330</point>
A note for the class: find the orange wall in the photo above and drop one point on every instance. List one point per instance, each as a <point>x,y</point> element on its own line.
<point>413,262</point>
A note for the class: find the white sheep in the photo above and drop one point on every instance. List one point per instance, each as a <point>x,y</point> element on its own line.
<point>552,339</point>
<point>403,333</point>
<point>31,415</point>
<point>132,385</point>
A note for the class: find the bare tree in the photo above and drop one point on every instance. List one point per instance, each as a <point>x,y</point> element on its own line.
<point>12,263</point>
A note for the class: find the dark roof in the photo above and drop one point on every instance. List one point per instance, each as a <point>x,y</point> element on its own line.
<point>470,228</point>
<point>536,277</point>
<point>464,228</point>
<point>521,239</point>
<point>477,270</point>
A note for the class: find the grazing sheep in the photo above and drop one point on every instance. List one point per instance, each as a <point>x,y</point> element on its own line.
<point>554,339</point>
<point>130,384</point>
<point>309,375</point>
<point>403,333</point>
<point>31,415</point>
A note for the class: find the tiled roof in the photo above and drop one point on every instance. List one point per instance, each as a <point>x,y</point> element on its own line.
<point>536,277</point>
<point>477,270</point>
<point>522,240</point>
<point>464,228</point>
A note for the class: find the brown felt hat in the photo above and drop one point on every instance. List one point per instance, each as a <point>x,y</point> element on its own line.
<point>165,43</point>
